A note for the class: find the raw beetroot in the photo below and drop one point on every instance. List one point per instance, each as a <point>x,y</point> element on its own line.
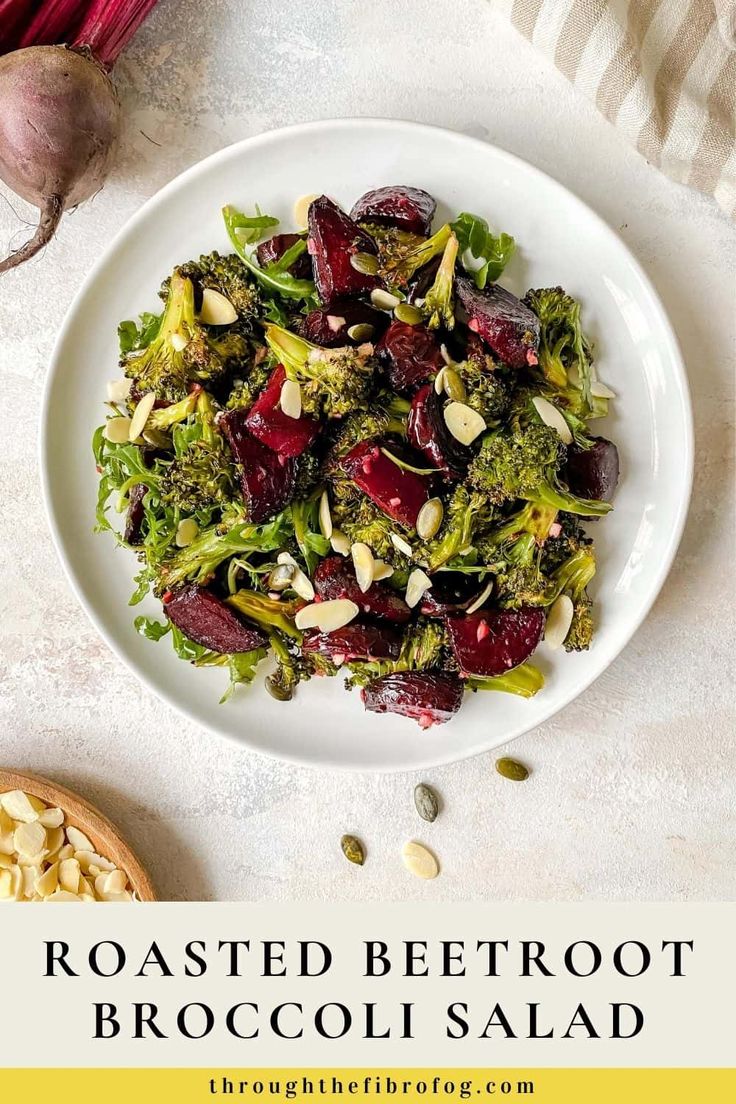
<point>266,479</point>
<point>593,473</point>
<point>398,492</point>
<point>355,641</point>
<point>334,239</point>
<point>426,697</point>
<point>334,578</point>
<point>407,208</point>
<point>206,620</point>
<point>267,421</point>
<point>506,325</point>
<point>427,432</point>
<point>329,327</point>
<point>491,642</point>
<point>409,355</point>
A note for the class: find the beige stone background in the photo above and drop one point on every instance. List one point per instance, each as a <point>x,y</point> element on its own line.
<point>632,795</point>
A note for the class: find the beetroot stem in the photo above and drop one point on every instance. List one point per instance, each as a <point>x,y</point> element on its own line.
<point>51,212</point>
<point>109,26</point>
<point>56,21</point>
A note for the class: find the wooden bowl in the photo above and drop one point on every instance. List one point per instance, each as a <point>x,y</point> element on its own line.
<point>81,814</point>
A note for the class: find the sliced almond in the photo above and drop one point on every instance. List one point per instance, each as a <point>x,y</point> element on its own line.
<point>5,860</point>
<point>463,422</point>
<point>439,380</point>
<point>384,300</point>
<point>186,531</point>
<point>325,517</point>
<point>78,840</point>
<point>141,415</point>
<point>118,390</point>
<point>301,209</point>
<point>335,322</point>
<point>559,620</point>
<point>417,583</point>
<point>86,859</point>
<point>290,400</point>
<point>69,875</point>
<point>216,309</point>
<point>300,582</point>
<point>48,882</point>
<point>6,884</point>
<point>600,391</point>
<point>401,545</point>
<point>30,839</point>
<point>419,861</point>
<point>552,417</point>
<point>381,571</point>
<point>54,842</point>
<point>484,595</point>
<point>117,430</point>
<point>62,895</point>
<point>445,356</point>
<point>340,543</point>
<point>21,806</point>
<point>51,818</point>
<point>66,852</point>
<point>363,563</point>
<point>116,882</point>
<point>326,616</point>
<point>429,518</point>
<point>178,342</point>
<point>31,874</point>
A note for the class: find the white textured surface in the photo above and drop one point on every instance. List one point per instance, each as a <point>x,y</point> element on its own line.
<point>632,794</point>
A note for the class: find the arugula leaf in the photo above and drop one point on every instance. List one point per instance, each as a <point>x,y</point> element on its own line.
<point>133,336</point>
<point>283,283</point>
<point>483,253</point>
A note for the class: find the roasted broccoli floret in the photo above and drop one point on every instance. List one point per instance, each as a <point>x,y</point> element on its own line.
<point>486,391</point>
<point>439,306</point>
<point>466,514</point>
<point>361,521</point>
<point>230,277</point>
<point>181,353</point>
<point>366,425</point>
<point>565,354</point>
<point>423,647</point>
<point>333,382</point>
<point>571,578</point>
<point>512,465</point>
<point>398,269</point>
<point>291,669</point>
<point>200,477</point>
<point>519,581</point>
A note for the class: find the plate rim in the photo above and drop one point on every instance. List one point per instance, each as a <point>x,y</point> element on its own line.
<point>341,123</point>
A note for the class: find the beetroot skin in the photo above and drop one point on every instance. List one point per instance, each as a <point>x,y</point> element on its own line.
<point>506,325</point>
<point>491,642</point>
<point>428,433</point>
<point>426,697</point>
<point>409,355</point>
<point>270,251</point>
<point>333,239</point>
<point>399,493</point>
<point>266,479</point>
<point>267,421</point>
<point>407,208</point>
<point>593,473</point>
<point>329,328</point>
<point>206,620</point>
<point>335,578</point>
<point>355,641</point>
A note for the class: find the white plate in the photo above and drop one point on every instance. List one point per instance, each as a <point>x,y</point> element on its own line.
<point>560,241</point>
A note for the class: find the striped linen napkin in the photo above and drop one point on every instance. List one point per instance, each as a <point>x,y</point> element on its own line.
<point>662,71</point>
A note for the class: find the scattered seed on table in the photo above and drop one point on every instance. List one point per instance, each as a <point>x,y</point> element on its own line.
<point>426,802</point>
<point>353,850</point>
<point>512,769</point>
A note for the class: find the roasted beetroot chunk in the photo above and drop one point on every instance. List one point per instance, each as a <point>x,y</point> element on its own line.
<point>355,641</point>
<point>267,421</point>
<point>407,208</point>
<point>593,472</point>
<point>334,578</point>
<point>329,328</point>
<point>399,493</point>
<point>206,620</point>
<point>451,592</point>
<point>268,252</point>
<point>333,240</point>
<point>133,533</point>
<point>506,325</point>
<point>428,433</point>
<point>410,355</point>
<point>266,479</point>
<point>427,698</point>
<point>491,642</point>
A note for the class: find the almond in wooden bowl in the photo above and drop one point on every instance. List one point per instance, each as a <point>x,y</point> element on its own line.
<point>55,846</point>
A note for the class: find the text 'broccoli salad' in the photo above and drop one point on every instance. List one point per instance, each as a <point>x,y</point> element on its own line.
<point>351,448</point>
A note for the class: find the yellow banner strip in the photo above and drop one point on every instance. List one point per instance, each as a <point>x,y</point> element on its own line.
<point>545,1086</point>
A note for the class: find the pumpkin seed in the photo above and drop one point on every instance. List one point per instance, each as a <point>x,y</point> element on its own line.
<point>281,576</point>
<point>512,769</point>
<point>454,386</point>
<point>290,399</point>
<point>353,850</point>
<point>117,430</point>
<point>216,309</point>
<point>141,415</point>
<point>463,422</point>
<point>552,417</point>
<point>276,690</point>
<point>405,312</point>
<point>426,802</point>
<point>559,620</point>
<point>326,616</point>
<point>429,518</point>
<point>417,583</point>
<point>362,331</point>
<point>366,263</point>
<point>301,209</point>
<point>186,531</point>
<point>384,300</point>
<point>363,563</point>
<point>118,390</point>
<point>419,861</point>
<point>325,517</point>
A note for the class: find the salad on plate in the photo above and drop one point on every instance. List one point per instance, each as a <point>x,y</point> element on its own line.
<point>349,449</point>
